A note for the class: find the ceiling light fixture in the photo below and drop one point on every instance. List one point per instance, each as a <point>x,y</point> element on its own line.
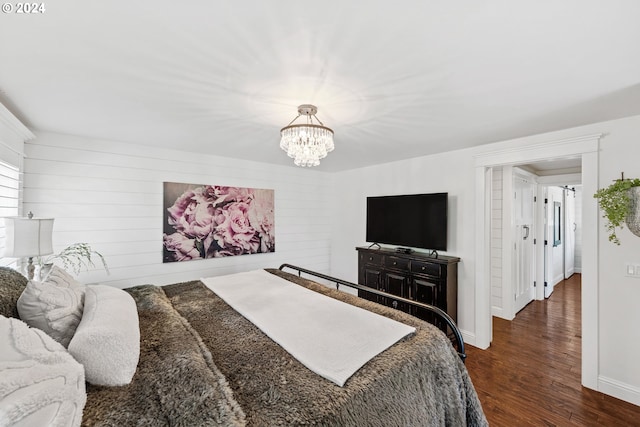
<point>306,143</point>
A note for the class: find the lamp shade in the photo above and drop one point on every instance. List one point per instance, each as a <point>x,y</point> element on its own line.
<point>28,237</point>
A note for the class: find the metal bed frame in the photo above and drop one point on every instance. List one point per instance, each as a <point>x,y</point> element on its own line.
<point>457,340</point>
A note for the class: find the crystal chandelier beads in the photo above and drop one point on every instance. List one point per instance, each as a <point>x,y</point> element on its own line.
<point>307,143</point>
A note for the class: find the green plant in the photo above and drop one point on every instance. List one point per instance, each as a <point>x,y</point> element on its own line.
<point>615,204</point>
<point>76,257</point>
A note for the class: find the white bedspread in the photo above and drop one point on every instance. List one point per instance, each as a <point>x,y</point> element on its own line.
<point>330,337</point>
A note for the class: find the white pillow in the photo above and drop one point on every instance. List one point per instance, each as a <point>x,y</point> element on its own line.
<point>107,340</point>
<point>54,306</point>
<point>60,277</point>
<point>40,383</point>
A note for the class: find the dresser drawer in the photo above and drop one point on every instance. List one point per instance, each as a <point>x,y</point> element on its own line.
<point>429,268</point>
<point>371,258</point>
<point>396,262</point>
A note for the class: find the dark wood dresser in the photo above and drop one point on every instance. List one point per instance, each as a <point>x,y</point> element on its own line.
<point>415,276</point>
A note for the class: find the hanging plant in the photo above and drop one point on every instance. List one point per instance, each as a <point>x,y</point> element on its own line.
<point>615,203</point>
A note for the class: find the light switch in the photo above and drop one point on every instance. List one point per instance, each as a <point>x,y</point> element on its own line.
<point>633,270</point>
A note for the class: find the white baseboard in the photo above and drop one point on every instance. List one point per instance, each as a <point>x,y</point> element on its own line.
<point>470,338</point>
<point>500,312</point>
<point>558,279</point>
<point>620,390</point>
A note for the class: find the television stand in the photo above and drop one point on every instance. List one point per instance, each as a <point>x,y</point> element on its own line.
<point>374,244</point>
<point>416,276</point>
<point>404,250</point>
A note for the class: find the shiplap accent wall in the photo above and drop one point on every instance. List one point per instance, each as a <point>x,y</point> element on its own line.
<point>496,242</point>
<point>109,194</point>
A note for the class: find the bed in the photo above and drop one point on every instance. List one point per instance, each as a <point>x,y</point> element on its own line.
<point>202,363</point>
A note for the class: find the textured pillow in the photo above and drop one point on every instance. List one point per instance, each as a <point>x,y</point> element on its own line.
<point>56,310</point>
<point>107,341</point>
<point>60,277</point>
<point>40,383</point>
<point>12,284</point>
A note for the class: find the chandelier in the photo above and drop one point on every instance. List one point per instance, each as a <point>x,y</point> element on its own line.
<point>306,143</point>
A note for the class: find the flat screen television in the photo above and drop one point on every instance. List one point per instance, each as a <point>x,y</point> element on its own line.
<point>412,220</point>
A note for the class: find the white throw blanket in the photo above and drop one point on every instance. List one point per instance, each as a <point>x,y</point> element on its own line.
<point>332,338</point>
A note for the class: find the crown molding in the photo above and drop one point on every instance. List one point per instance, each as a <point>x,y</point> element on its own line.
<point>9,121</point>
<point>535,151</point>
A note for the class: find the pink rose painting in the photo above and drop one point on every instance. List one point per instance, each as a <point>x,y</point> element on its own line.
<point>210,221</point>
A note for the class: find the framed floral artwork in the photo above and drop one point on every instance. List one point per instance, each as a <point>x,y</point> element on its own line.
<point>212,221</point>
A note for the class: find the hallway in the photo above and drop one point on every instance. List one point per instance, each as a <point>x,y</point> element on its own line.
<point>530,376</point>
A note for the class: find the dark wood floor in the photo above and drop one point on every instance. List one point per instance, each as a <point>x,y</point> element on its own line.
<point>530,376</point>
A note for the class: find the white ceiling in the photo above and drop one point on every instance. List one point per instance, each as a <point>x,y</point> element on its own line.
<point>393,79</point>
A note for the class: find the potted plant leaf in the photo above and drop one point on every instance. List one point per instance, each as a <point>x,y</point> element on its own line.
<point>75,257</point>
<point>620,204</point>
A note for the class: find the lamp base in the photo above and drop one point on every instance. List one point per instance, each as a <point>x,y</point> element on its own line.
<point>31,269</point>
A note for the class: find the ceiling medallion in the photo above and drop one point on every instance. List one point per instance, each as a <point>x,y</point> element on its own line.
<point>306,143</point>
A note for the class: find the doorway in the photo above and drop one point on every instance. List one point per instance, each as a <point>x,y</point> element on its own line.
<point>529,238</point>
<point>586,148</point>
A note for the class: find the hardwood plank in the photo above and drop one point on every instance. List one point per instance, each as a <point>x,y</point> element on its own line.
<point>530,376</point>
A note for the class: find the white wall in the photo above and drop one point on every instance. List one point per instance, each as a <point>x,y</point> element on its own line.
<point>578,254</point>
<point>451,172</point>
<point>618,337</point>
<point>109,194</point>
<point>619,295</point>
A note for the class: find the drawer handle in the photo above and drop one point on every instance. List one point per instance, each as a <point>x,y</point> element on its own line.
<point>394,263</point>
<point>370,258</point>
<point>422,268</point>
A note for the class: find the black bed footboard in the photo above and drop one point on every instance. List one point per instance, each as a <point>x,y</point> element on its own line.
<point>457,340</point>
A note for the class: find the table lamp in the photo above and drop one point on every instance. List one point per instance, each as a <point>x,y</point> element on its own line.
<point>28,237</point>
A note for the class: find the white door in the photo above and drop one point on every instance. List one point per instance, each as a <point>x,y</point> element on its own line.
<point>554,260</point>
<point>569,232</point>
<point>524,256</point>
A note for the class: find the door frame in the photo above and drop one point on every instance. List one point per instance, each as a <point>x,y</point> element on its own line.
<point>585,147</point>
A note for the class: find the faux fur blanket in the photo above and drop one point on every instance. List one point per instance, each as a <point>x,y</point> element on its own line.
<point>418,381</point>
<point>201,364</point>
<point>176,382</point>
